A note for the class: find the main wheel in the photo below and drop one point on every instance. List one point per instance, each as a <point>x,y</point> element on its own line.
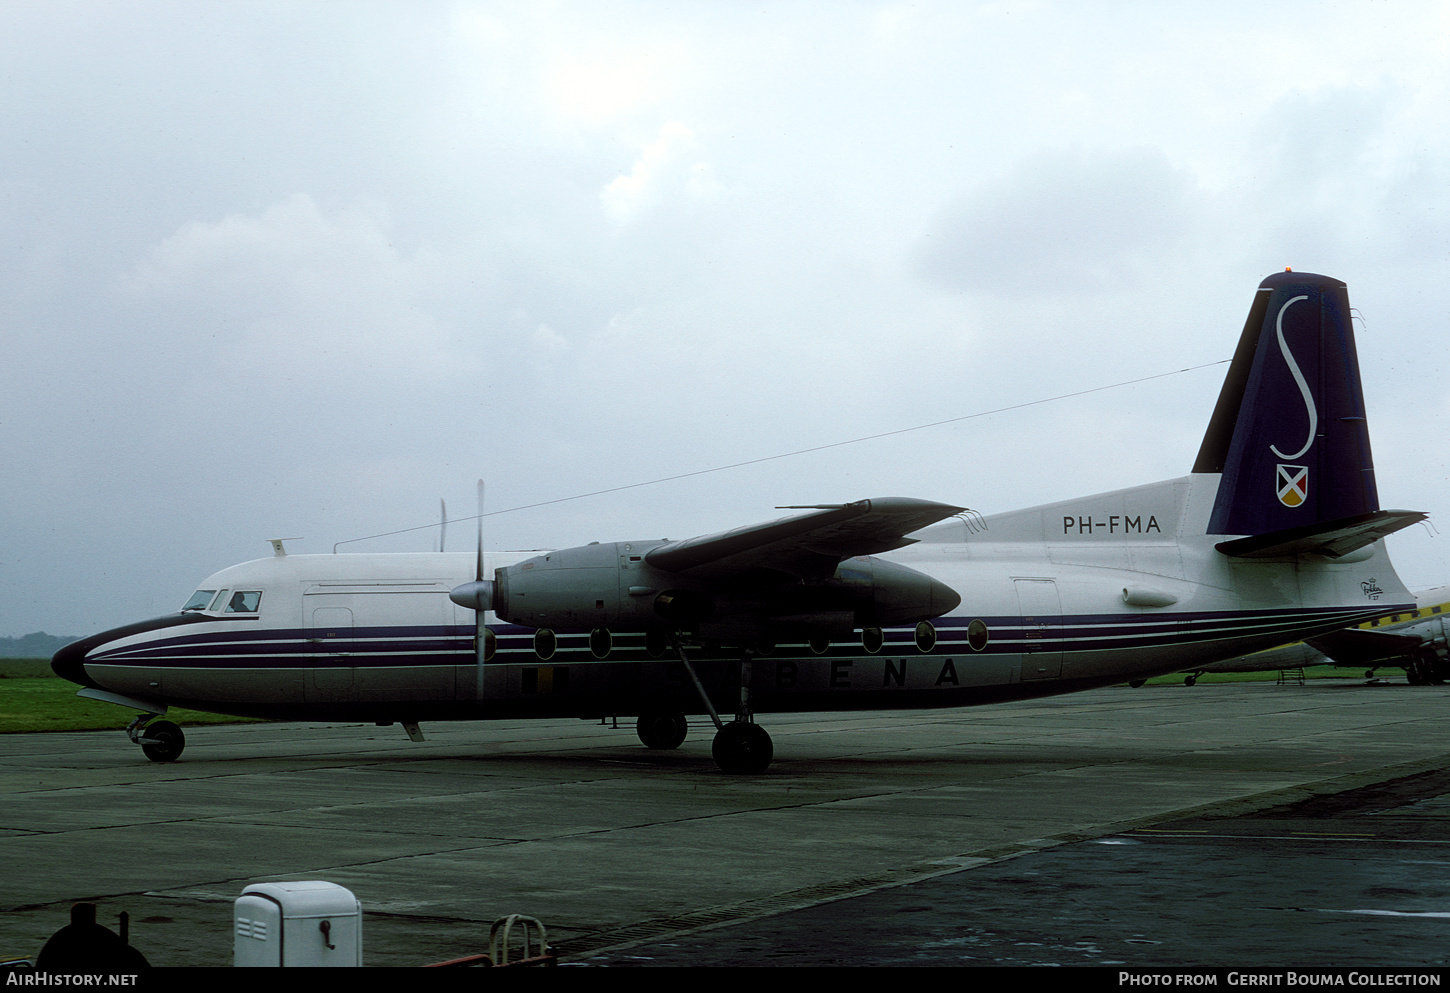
<point>662,730</point>
<point>1426,664</point>
<point>166,742</point>
<point>742,749</point>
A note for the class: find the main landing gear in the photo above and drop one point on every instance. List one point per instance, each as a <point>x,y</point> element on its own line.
<point>161,741</point>
<point>741,747</point>
<point>662,730</point>
<point>1424,669</point>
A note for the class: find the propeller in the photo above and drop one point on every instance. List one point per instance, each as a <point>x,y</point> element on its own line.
<point>443,526</point>
<point>478,596</point>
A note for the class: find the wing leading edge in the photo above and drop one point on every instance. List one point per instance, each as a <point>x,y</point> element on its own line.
<point>806,545</point>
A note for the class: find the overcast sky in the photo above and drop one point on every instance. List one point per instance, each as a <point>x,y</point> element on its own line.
<point>303,269</point>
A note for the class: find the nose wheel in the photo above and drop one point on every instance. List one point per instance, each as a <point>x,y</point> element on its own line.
<point>160,741</point>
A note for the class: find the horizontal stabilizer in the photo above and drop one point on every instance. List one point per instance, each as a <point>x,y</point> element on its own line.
<point>1331,538</point>
<point>806,544</point>
<point>1354,646</point>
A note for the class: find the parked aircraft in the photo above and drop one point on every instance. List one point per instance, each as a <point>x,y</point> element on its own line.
<point>1417,640</point>
<point>883,603</point>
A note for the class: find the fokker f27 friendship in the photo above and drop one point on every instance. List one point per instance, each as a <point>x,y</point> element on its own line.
<point>1274,536</point>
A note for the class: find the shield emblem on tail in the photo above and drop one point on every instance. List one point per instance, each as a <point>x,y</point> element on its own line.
<point>1293,484</point>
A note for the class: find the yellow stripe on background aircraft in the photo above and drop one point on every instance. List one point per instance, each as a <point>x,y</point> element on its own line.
<point>1416,640</point>
<point>1274,535</point>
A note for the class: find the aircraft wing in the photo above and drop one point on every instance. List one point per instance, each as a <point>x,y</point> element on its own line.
<point>808,546</point>
<point>1355,646</point>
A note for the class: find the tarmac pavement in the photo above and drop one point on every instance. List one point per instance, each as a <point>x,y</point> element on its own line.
<point>975,832</point>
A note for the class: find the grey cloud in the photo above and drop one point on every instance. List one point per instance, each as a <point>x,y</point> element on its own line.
<point>1060,221</point>
<point>286,269</point>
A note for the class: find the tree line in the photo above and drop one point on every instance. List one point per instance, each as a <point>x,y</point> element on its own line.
<point>33,646</point>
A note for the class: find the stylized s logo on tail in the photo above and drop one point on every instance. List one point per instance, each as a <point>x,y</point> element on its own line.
<point>1298,379</point>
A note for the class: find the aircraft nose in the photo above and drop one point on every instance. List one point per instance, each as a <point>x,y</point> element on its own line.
<point>70,662</point>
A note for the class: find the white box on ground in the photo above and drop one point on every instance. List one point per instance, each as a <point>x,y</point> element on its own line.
<point>304,923</point>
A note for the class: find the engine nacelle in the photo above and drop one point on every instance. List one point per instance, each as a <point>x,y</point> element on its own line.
<point>592,586</point>
<point>887,594</point>
<point>612,586</point>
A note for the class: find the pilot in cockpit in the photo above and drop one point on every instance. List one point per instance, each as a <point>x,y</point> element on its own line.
<point>243,603</point>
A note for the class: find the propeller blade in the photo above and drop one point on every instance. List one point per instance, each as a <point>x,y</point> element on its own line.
<point>478,597</point>
<point>482,650</point>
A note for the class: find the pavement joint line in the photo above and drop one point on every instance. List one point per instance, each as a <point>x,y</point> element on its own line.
<point>632,935</point>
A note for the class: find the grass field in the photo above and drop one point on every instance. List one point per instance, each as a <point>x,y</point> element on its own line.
<point>32,698</point>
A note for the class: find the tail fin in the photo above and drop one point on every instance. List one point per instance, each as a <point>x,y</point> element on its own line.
<point>1289,434</point>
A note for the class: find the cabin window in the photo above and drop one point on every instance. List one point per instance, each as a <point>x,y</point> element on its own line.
<point>244,602</point>
<point>199,600</point>
<point>872,639</point>
<point>600,642</point>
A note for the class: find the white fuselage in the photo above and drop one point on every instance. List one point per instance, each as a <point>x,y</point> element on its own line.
<point>1086,592</point>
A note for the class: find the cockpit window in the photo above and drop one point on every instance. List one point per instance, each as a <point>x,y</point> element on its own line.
<point>244,602</point>
<point>199,600</point>
<point>217,603</point>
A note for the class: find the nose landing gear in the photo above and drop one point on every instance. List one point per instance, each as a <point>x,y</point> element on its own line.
<point>161,741</point>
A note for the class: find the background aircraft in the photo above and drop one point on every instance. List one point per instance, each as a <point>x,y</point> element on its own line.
<point>894,602</point>
<point>1414,640</point>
